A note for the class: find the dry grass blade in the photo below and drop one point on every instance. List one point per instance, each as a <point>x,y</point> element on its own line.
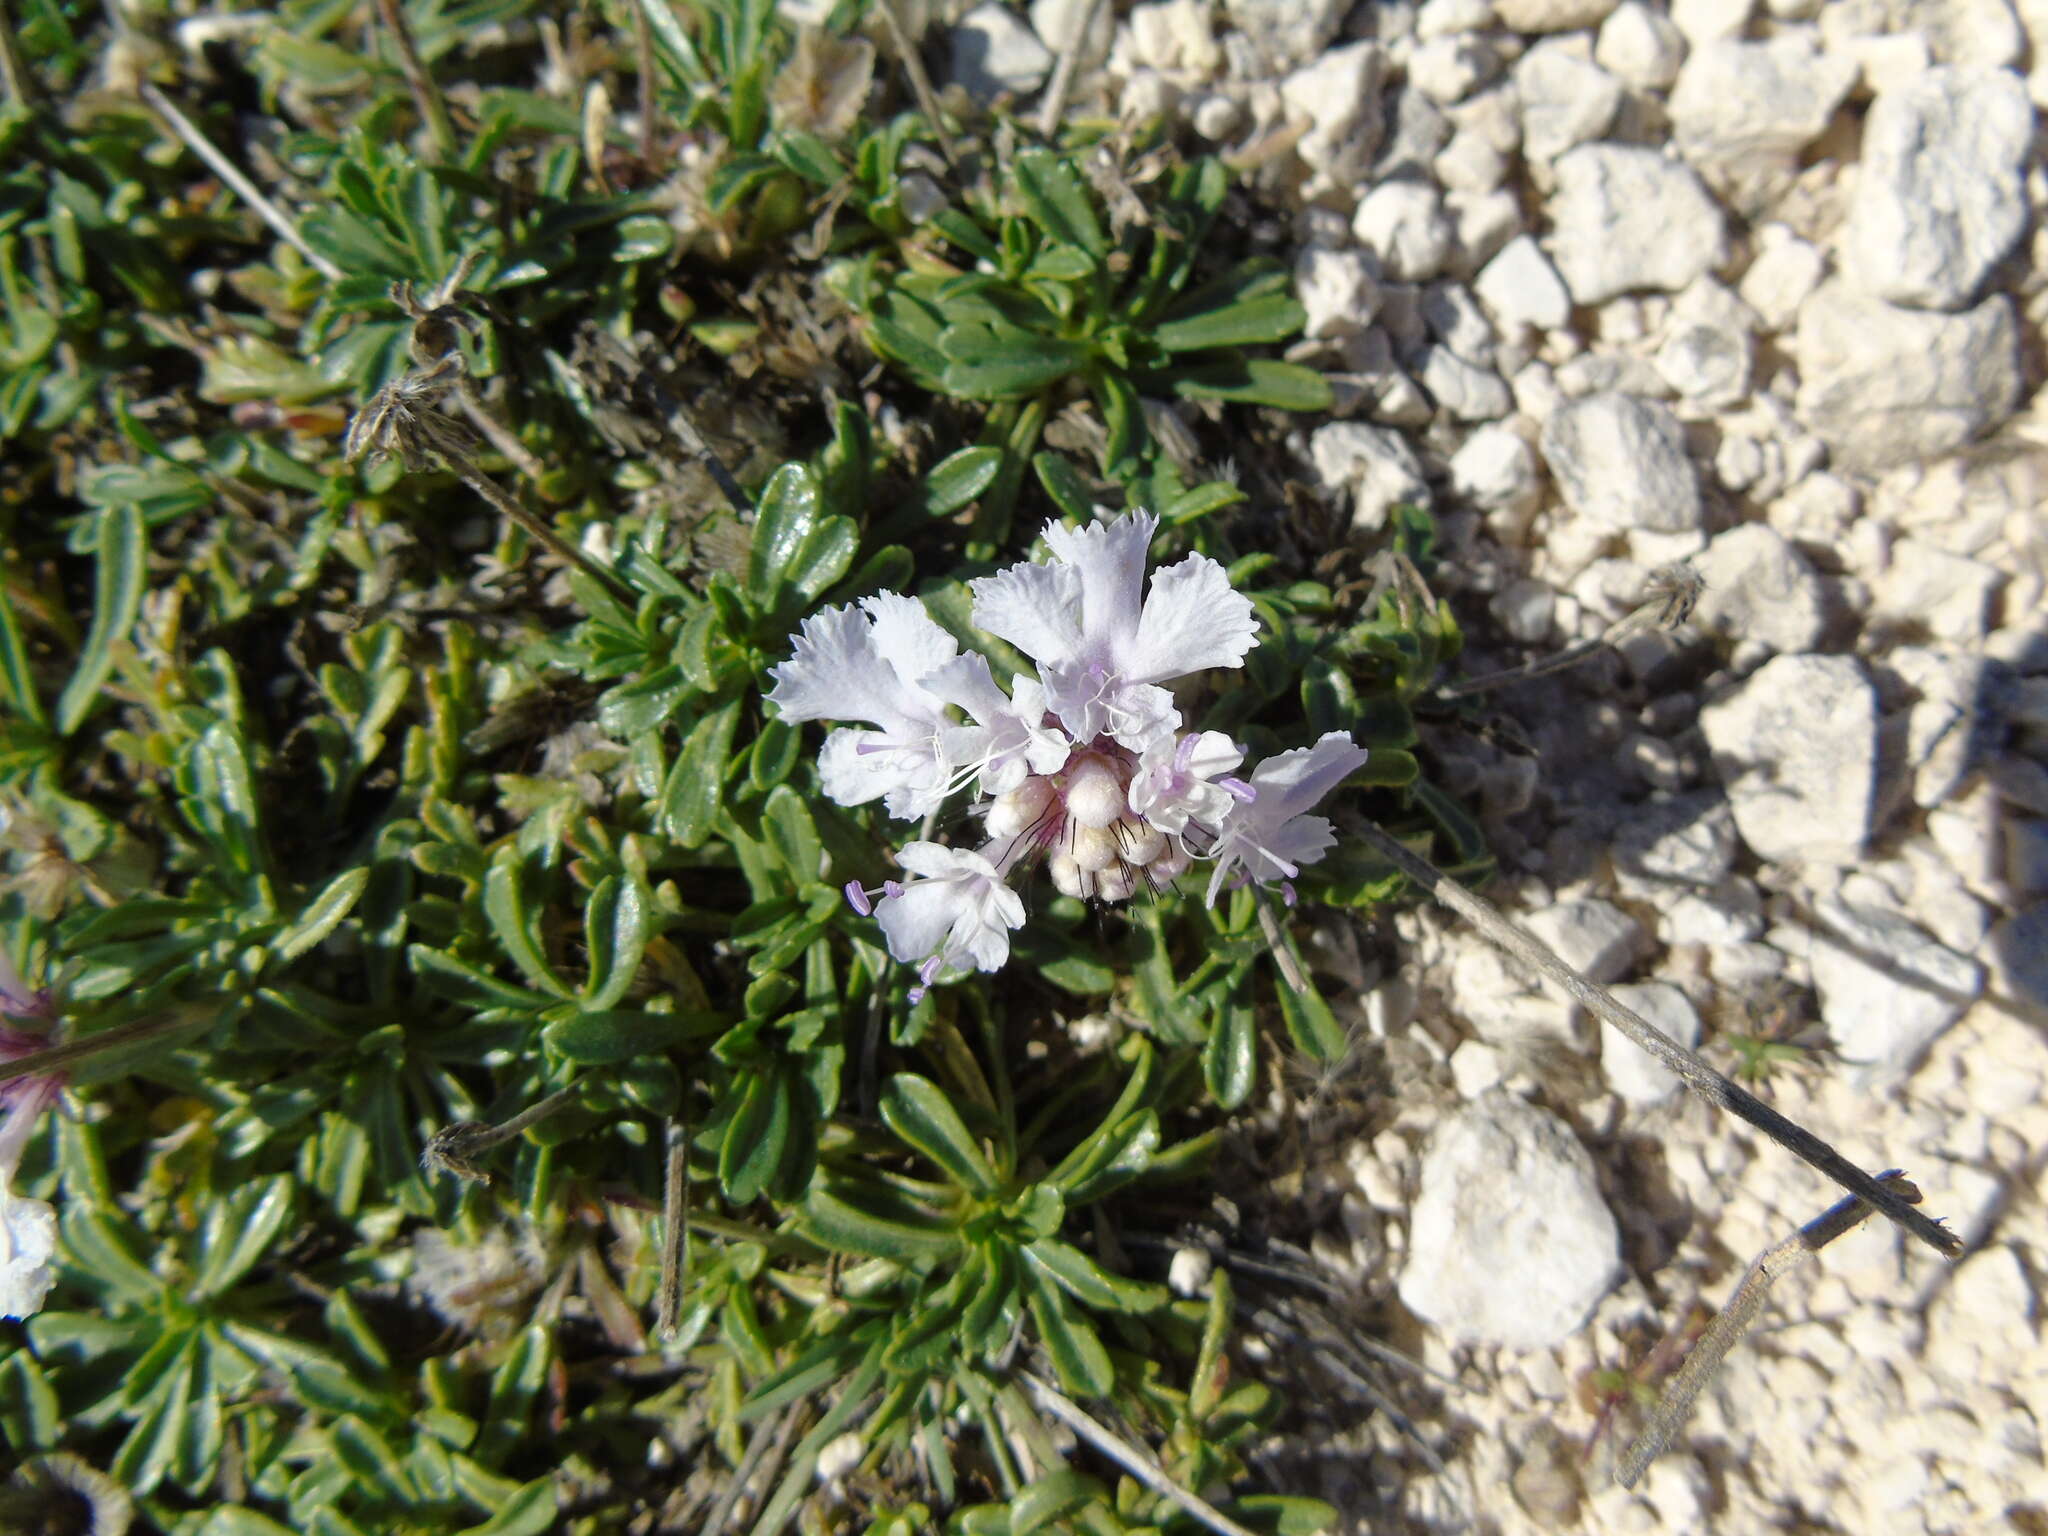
<point>1733,1320</point>
<point>1698,1077</point>
<point>1129,1457</point>
<point>1673,592</point>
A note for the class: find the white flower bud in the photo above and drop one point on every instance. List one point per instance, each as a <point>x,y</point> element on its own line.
<point>1020,809</point>
<point>1169,866</point>
<point>1067,876</point>
<point>1094,848</point>
<point>1095,793</point>
<point>1116,883</point>
<point>1142,843</point>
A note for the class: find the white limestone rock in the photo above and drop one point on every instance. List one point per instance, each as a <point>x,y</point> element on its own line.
<point>1784,271</point>
<point>1495,469</point>
<point>1337,290</point>
<point>1759,588</point>
<point>1620,462</point>
<point>1288,31</point>
<point>1795,747</point>
<point>1521,287</point>
<point>1684,842</point>
<point>1940,198</point>
<point>1628,218</point>
<point>1887,988</point>
<point>1550,15</point>
<point>1447,18</point>
<point>1632,1071</point>
<point>1058,23</point>
<point>2019,947</point>
<point>1465,390</point>
<point>1454,318</point>
<point>1403,223</point>
<point>1639,46</point>
<point>1448,69</point>
<point>996,54</point>
<point>1175,37</point>
<point>1883,385</point>
<point>1710,21</point>
<point>1566,99</point>
<point>1947,595</point>
<point>1708,365</point>
<point>1507,1191</point>
<point>1375,464</point>
<point>1338,97</point>
<point>1954,723</point>
<point>1737,102</point>
<point>1595,938</point>
<point>1983,34</point>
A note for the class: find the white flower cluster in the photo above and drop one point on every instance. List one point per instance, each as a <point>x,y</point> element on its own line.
<point>1084,765</point>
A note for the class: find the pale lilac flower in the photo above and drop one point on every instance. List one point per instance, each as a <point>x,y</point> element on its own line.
<point>1082,767</point>
<point>1102,643</point>
<point>958,912</point>
<point>869,662</point>
<point>1182,784</point>
<point>1270,836</point>
<point>28,1228</point>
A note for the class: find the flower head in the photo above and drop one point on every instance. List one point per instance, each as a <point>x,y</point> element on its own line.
<point>28,1228</point>
<point>1082,767</point>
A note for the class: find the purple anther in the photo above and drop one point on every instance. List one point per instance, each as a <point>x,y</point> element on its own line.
<point>892,887</point>
<point>1287,891</point>
<point>929,971</point>
<point>1185,752</point>
<point>1239,790</point>
<point>857,899</point>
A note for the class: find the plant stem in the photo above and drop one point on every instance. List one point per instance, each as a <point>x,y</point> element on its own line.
<point>1700,1078</point>
<point>426,95</point>
<point>242,186</point>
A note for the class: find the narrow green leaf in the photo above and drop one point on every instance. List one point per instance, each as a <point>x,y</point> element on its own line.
<point>1256,381</point>
<point>1058,199</point>
<point>1016,370</point>
<point>1078,1358</point>
<point>1089,1283</point>
<point>1272,318</point>
<point>1063,483</point>
<point>1058,1495</point>
<point>823,557</point>
<point>615,932</point>
<point>755,1137</point>
<point>532,1511</point>
<point>16,676</point>
<point>515,924</point>
<point>877,1222</point>
<point>1229,1055</point>
<point>600,1038</point>
<point>322,915</point>
<point>646,702</point>
<point>690,798</point>
<point>919,1112</point>
<point>239,1230</point>
<point>119,579</point>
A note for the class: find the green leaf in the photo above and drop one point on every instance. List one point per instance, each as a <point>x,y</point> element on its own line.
<point>690,798</point>
<point>1310,1023</point>
<point>788,513</point>
<point>794,834</point>
<point>1078,1358</point>
<point>239,1230</point>
<point>119,579</point>
<point>1058,1495</point>
<point>1256,381</point>
<point>1063,483</point>
<point>322,915</point>
<point>1057,198</point>
<point>615,932</point>
<point>823,557</point>
<point>919,1112</point>
<point>1008,371</point>
<point>631,709</point>
<point>99,1248</point>
<point>1272,318</point>
<point>1230,1055</point>
<point>515,923</point>
<point>1088,1283</point>
<point>1116,1154</point>
<point>878,1222</point>
<point>601,1038</point>
<point>532,1511</point>
<point>15,673</point>
<point>960,477</point>
<point>755,1137</point>
<point>1200,501</point>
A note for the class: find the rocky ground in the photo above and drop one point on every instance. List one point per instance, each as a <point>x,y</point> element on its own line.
<point>1759,287</point>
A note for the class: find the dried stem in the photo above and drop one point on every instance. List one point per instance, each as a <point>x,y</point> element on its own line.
<point>454,1148</point>
<point>1697,1076</point>
<point>426,95</point>
<point>496,432</point>
<point>57,1057</point>
<point>920,82</point>
<point>468,473</point>
<point>1055,104</point>
<point>243,187</point>
<point>1129,1457</point>
<point>675,1232</point>
<point>1674,589</point>
<point>1733,1320</point>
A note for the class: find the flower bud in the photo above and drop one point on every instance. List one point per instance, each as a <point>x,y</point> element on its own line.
<point>1095,793</point>
<point>1067,876</point>
<point>1116,883</point>
<point>1020,809</point>
<point>1094,848</point>
<point>1142,843</point>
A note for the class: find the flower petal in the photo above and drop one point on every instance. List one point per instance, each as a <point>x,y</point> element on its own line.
<point>917,920</point>
<point>1294,781</point>
<point>1110,560</point>
<point>837,673</point>
<point>28,1241</point>
<point>1193,619</point>
<point>1037,608</point>
<point>906,637</point>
